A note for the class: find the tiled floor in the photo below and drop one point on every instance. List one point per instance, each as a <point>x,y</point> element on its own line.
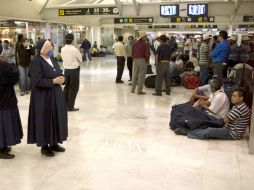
<point>122,141</point>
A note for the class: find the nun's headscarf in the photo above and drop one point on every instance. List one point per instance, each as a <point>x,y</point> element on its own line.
<point>43,46</point>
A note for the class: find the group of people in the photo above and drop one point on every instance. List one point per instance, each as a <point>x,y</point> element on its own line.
<point>207,115</point>
<point>47,119</point>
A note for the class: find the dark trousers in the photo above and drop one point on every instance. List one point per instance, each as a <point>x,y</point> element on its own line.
<point>163,73</point>
<point>204,74</point>
<point>129,65</point>
<point>71,86</point>
<point>218,69</point>
<point>120,67</point>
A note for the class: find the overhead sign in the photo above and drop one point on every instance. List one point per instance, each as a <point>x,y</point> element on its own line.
<point>248,18</point>
<point>169,10</point>
<point>133,20</point>
<point>193,19</point>
<point>89,11</point>
<point>162,26</point>
<point>203,26</point>
<point>197,9</point>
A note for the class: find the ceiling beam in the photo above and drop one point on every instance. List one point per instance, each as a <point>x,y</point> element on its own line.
<point>45,4</point>
<point>136,7</point>
<point>237,6</point>
<point>119,6</point>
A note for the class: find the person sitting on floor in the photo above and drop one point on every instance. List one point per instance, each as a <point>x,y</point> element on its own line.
<point>236,122</point>
<point>214,100</point>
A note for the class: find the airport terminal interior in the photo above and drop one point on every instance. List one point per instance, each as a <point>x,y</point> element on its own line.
<point>116,136</point>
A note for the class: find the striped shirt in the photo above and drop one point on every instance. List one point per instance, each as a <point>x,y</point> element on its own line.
<point>239,117</point>
<point>203,52</point>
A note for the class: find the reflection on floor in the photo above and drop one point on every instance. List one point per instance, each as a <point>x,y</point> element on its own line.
<point>121,141</point>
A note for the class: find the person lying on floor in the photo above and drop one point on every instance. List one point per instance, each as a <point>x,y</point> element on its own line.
<point>235,121</point>
<point>212,100</point>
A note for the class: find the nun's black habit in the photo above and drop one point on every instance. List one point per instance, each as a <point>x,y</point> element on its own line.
<point>47,122</point>
<point>10,124</point>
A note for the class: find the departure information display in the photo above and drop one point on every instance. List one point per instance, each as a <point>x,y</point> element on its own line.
<point>89,11</point>
<point>169,10</point>
<point>197,9</point>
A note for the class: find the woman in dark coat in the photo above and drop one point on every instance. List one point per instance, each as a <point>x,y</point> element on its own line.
<point>47,122</point>
<point>10,124</point>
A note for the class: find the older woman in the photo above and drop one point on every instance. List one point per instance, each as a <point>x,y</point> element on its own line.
<point>10,125</point>
<point>47,122</point>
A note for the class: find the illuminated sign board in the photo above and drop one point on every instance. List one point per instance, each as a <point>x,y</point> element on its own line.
<point>133,20</point>
<point>89,11</point>
<point>197,9</point>
<point>169,10</point>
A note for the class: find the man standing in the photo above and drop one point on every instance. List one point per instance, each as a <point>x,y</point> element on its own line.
<point>86,46</point>
<point>141,55</point>
<point>120,53</point>
<point>163,55</point>
<point>71,59</point>
<point>129,55</point>
<point>220,54</point>
<point>204,59</point>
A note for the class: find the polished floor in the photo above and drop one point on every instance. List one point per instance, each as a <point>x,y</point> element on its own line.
<point>122,141</point>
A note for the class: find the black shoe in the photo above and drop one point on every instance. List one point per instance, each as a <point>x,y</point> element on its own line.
<point>120,81</point>
<point>168,92</point>
<point>157,94</point>
<point>47,151</point>
<point>73,109</point>
<point>6,149</point>
<point>141,93</point>
<point>179,131</point>
<point>57,148</point>
<point>6,155</point>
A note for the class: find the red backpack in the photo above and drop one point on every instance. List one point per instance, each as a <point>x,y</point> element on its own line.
<point>191,81</point>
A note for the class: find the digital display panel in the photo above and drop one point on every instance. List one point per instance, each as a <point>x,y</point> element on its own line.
<point>169,10</point>
<point>197,9</point>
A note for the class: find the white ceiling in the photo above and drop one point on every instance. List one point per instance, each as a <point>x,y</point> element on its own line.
<point>59,3</point>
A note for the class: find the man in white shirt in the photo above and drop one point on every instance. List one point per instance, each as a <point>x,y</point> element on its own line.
<point>218,104</point>
<point>120,53</point>
<point>71,59</point>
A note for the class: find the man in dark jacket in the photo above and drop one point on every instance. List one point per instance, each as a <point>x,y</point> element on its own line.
<point>86,46</point>
<point>24,52</point>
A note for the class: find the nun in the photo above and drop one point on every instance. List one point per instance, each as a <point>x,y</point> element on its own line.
<point>47,120</point>
<point>10,124</point>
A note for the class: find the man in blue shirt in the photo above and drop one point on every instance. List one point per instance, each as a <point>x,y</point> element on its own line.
<point>220,54</point>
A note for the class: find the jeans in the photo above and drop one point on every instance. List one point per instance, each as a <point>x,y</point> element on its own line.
<point>88,52</point>
<point>24,80</point>
<point>204,72</point>
<point>211,133</point>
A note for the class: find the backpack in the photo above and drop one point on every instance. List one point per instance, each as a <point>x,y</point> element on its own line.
<point>191,81</point>
<point>150,81</point>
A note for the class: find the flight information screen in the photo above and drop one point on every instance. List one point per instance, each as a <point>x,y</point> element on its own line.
<point>197,9</point>
<point>169,10</point>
